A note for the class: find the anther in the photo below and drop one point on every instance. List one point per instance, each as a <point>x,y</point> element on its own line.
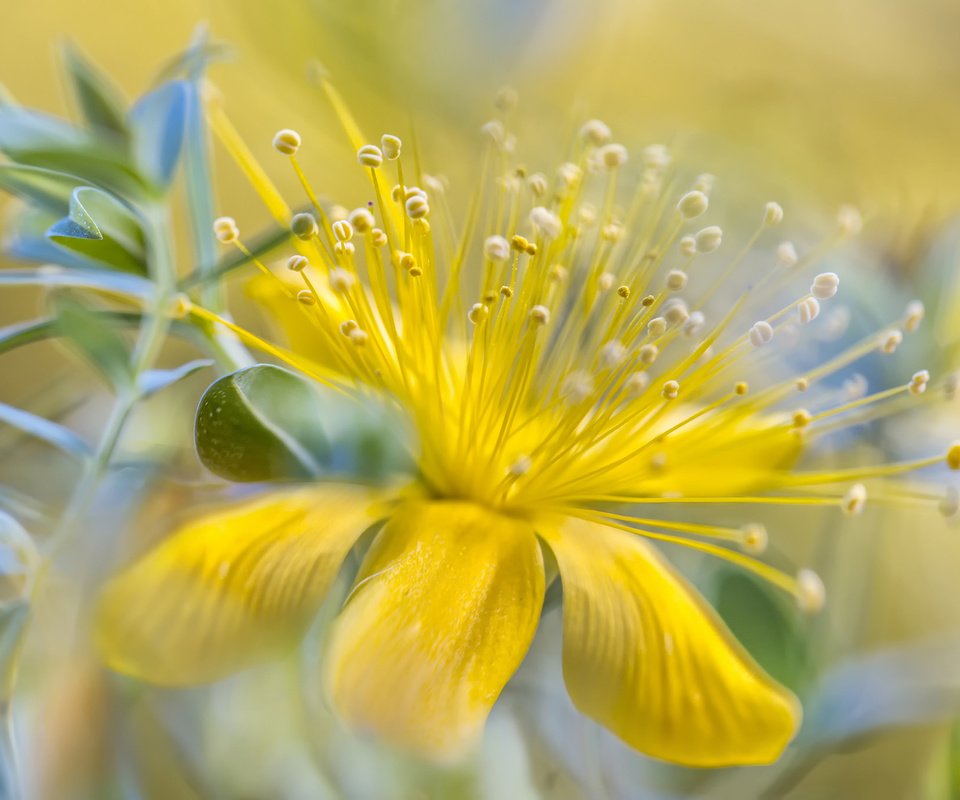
<point>496,248</point>
<point>704,182</point>
<point>519,243</point>
<point>949,504</point>
<point>890,341</point>
<point>787,254</point>
<point>695,324</point>
<point>670,390</point>
<point>772,214</point>
<point>657,327</point>
<point>693,204</point>
<point>595,132</point>
<point>538,184</point>
<point>506,99</point>
<point>546,222</point>
<point>577,387</point>
<point>539,315</point>
<point>530,249</point>
<point>612,155</point>
<point>415,272</point>
<point>358,337</point>
<point>675,311</point>
<point>656,156</point>
<point>520,467</point>
<point>612,354</point>
<point>558,273</point>
<point>808,310</point>
<point>761,333</point>
<point>648,301</point>
<point>378,237</point>
<point>606,281</point>
<point>801,418</point>
<point>370,156</point>
<point>489,297</point>
<point>306,297</point>
<point>417,206</point>
<point>180,306</point>
<point>802,384</point>
<point>297,263</point>
<point>688,246</point>
<point>825,285</point>
<point>361,220</point>
<point>612,232</point>
<point>390,146</point>
<point>506,292</point>
<point>226,230</point>
<point>849,221</point>
<point>741,388</point>
<point>341,281</point>
<point>676,280</point>
<point>914,316</point>
<point>348,326</point>
<point>855,386</point>
<point>953,456</point>
<point>755,538</point>
<point>919,381</point>
<point>708,239</point>
<point>648,354</point>
<point>637,383</point>
<point>623,291</point>
<point>343,230</point>
<point>854,500</point>
<point>304,226</point>
<point>287,142</point>
<point>811,593</point>
<point>478,313</point>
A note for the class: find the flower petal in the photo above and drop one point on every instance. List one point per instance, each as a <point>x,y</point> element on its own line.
<point>446,605</point>
<point>231,587</point>
<point>645,656</point>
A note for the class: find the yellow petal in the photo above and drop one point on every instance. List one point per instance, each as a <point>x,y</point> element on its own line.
<point>645,656</point>
<point>229,588</point>
<point>446,605</point>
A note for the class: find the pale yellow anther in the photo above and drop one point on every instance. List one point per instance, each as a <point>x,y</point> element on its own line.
<point>595,132</point>
<point>808,310</point>
<point>570,174</point>
<point>913,316</point>
<point>358,337</point>
<point>741,388</point>
<point>704,182</point>
<point>623,291</point>
<point>306,297</point>
<point>538,184</point>
<point>478,313</point>
<point>802,384</point>
<point>694,324</point>
<point>655,157</point>
<point>303,226</point>
<point>919,381</point>
<point>519,243</point>
<point>849,221</point>
<point>421,225</point>
<point>670,390</point>
<point>546,222</point>
<point>648,300</point>
<point>530,249</point>
<point>226,230</point>
<point>890,341</point>
<point>558,273</point>
<point>637,384</point>
<point>287,142</point>
<point>577,387</point>
<point>657,327</point>
<point>297,263</point>
<point>338,212</point>
<point>676,280</point>
<point>825,285</point>
<point>648,354</point>
<point>539,315</point>
<point>495,132</point>
<point>370,156</point>
<point>708,239</point>
<point>693,204</point>
<point>855,386</point>
<point>676,312</point>
<point>854,500</point>
<point>787,254</point>
<point>348,326</point>
<point>755,538</point>
<point>811,593</point>
<point>344,248</point>
<point>415,271</point>
<point>506,292</point>
<point>378,237</point>
<point>520,467</point>
<point>612,354</point>
<point>761,333</point>
<point>390,146</point>
<point>417,206</point>
<point>496,248</point>
<point>361,220</point>
<point>612,232</point>
<point>612,155</point>
<point>343,230</point>
<point>801,418</point>
<point>341,281</point>
<point>688,246</point>
<point>606,281</point>
<point>180,306</point>
<point>949,504</point>
<point>772,214</point>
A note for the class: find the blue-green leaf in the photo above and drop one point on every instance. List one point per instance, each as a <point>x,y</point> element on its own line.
<point>261,423</point>
<point>46,188</point>
<point>153,380</point>
<point>102,228</point>
<point>50,432</point>
<point>157,123</point>
<point>115,282</point>
<point>99,99</point>
<point>99,342</point>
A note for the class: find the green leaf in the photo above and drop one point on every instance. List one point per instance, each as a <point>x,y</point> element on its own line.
<point>153,380</point>
<point>114,282</point>
<point>157,123</point>
<point>102,228</point>
<point>261,423</point>
<point>21,333</point>
<point>766,624</point>
<point>50,432</point>
<point>99,99</point>
<point>96,340</point>
<point>46,188</point>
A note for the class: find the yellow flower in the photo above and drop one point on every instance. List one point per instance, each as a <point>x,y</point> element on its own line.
<point>556,383</point>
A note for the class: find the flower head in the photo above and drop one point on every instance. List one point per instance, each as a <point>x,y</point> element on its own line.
<point>571,357</point>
